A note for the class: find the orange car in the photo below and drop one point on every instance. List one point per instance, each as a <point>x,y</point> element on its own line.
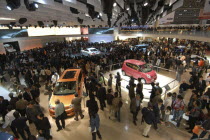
<point>70,82</point>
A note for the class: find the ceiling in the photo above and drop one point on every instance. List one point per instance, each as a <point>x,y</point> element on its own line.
<point>87,12</point>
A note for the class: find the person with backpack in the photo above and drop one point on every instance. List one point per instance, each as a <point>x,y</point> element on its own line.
<point>148,117</point>
<point>194,115</point>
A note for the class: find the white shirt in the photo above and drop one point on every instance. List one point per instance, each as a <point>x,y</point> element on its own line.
<point>168,101</point>
<point>9,118</point>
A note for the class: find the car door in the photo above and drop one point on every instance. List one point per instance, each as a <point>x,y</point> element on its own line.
<point>135,72</point>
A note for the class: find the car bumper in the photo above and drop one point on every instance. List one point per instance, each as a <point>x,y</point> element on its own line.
<point>69,112</point>
<point>151,80</point>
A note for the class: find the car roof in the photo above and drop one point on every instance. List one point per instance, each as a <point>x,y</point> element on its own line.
<point>69,75</point>
<point>136,62</point>
<point>91,48</point>
<point>142,45</point>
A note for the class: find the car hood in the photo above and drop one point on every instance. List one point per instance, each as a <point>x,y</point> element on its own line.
<point>152,73</point>
<point>65,99</point>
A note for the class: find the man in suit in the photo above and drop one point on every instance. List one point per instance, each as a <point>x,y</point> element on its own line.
<point>101,95</point>
<point>201,86</point>
<point>3,107</point>
<point>135,107</point>
<point>27,95</point>
<point>77,107</point>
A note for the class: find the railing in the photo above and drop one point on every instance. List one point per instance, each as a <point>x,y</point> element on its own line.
<point>172,32</point>
<point>167,87</point>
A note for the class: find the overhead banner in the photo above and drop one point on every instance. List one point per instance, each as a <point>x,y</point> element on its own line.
<point>13,33</point>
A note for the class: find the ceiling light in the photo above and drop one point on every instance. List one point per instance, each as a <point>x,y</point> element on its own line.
<point>115,4</point>
<point>3,18</point>
<point>9,8</point>
<point>36,5</point>
<point>146,3</point>
<point>128,9</point>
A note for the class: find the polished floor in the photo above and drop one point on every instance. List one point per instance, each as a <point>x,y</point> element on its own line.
<point>111,129</point>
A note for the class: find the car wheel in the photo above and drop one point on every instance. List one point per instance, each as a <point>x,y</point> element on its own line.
<point>123,73</point>
<point>143,80</point>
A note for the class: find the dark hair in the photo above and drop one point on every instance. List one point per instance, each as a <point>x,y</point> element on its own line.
<point>197,103</point>
<point>180,97</point>
<point>116,94</point>
<point>139,79</point>
<point>20,96</point>
<point>169,94</point>
<point>109,90</point>
<point>16,114</point>
<point>41,115</point>
<point>169,108</point>
<point>9,107</point>
<point>76,95</point>
<point>99,85</point>
<point>1,97</point>
<point>32,103</point>
<point>160,101</point>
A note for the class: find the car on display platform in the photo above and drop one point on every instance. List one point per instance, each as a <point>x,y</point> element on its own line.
<point>195,59</point>
<point>70,83</point>
<point>90,52</point>
<point>140,47</point>
<point>139,69</point>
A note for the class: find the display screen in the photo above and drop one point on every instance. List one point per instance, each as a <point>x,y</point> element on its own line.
<point>101,30</point>
<point>13,33</point>
<point>11,47</point>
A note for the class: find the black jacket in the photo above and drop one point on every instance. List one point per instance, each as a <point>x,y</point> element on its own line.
<point>109,98</point>
<point>92,106</point>
<point>43,124</point>
<point>27,97</point>
<point>19,123</point>
<point>101,94</point>
<point>3,106</point>
<point>149,116</point>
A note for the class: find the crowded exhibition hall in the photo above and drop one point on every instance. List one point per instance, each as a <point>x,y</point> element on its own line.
<point>104,69</point>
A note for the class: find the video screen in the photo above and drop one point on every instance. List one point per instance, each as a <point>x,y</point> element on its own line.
<point>11,47</point>
<point>101,30</point>
<point>13,33</point>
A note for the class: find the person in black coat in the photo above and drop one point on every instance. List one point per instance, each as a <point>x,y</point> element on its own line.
<point>139,89</point>
<point>43,126</point>
<point>20,125</point>
<point>200,86</point>
<point>3,107</point>
<point>27,95</point>
<point>13,100</point>
<point>148,116</point>
<point>158,109</point>
<point>92,105</point>
<point>101,95</point>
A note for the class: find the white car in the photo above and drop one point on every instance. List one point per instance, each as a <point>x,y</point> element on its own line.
<point>90,52</point>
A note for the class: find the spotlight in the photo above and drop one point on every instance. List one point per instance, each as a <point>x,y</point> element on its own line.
<point>9,8</point>
<point>146,3</point>
<point>115,4</point>
<point>31,6</point>
<point>36,5</point>
<point>13,4</point>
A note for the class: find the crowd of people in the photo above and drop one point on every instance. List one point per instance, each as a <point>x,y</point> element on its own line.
<point>41,66</point>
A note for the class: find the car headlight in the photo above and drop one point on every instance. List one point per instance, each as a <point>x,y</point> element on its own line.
<point>148,76</point>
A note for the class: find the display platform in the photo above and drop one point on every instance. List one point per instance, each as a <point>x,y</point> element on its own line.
<point>164,82</point>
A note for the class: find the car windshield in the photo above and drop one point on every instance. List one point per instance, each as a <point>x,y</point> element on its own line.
<point>65,88</point>
<point>93,50</point>
<point>145,68</point>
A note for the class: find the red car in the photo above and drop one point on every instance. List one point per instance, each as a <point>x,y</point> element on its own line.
<point>139,69</point>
